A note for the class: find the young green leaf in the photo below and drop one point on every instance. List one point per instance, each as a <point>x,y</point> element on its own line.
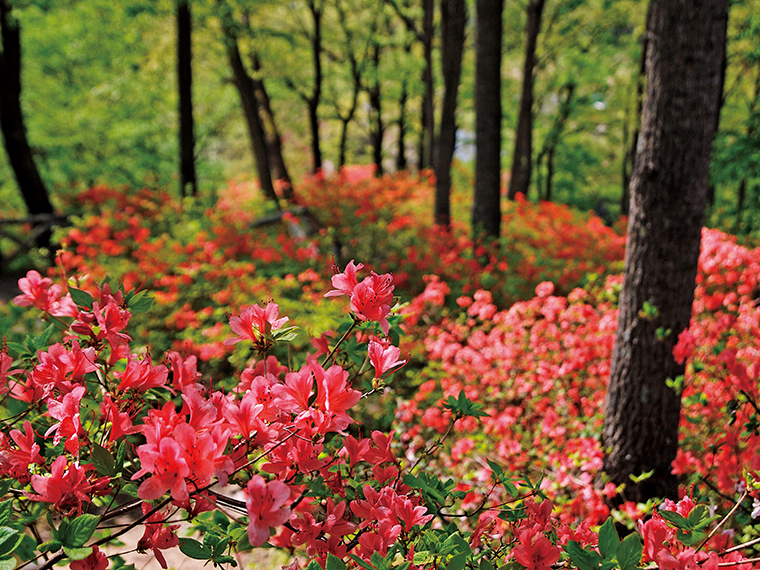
<point>629,552</point>
<point>81,529</point>
<point>194,549</point>
<point>609,540</point>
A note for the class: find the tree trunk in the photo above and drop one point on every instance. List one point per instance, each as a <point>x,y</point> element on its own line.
<point>427,136</point>
<point>188,181</point>
<point>552,139</point>
<point>741,194</point>
<point>245,89</point>
<point>271,133</point>
<point>486,208</point>
<point>668,195</point>
<point>521,162</point>
<point>630,157</point>
<point>401,148</point>
<point>376,113</point>
<point>453,17</point>
<point>17,147</point>
<point>316,93</point>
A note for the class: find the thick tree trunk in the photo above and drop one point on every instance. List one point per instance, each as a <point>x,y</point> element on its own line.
<point>486,207</point>
<point>244,84</point>
<point>668,195</point>
<point>453,17</point>
<point>17,147</point>
<point>521,161</point>
<point>188,181</point>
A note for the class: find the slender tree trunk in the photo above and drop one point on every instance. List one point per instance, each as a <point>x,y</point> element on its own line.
<point>376,113</point>
<point>552,139</point>
<point>316,94</point>
<point>427,140</point>
<point>17,147</point>
<point>401,148</point>
<point>721,100</point>
<point>522,160</point>
<point>668,195</point>
<point>272,134</point>
<point>486,208</point>
<point>244,84</point>
<point>630,157</point>
<point>741,194</point>
<point>453,18</point>
<point>188,181</point>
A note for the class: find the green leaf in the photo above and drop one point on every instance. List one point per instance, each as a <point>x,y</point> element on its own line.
<point>17,348</point>
<point>629,552</point>
<point>5,486</point>
<point>642,477</point>
<point>81,298</point>
<point>81,529</point>
<point>608,539</point>
<point>194,549</point>
<point>10,538</point>
<point>43,340</point>
<point>78,553</point>
<point>6,511</point>
<point>141,302</point>
<point>359,561</point>
<point>7,564</point>
<point>676,519</point>
<point>699,517</point>
<point>334,563</point>
<point>583,559</point>
<point>313,565</point>
<point>50,546</point>
<point>485,564</point>
<point>103,460</point>
<point>457,562</point>
<point>121,453</point>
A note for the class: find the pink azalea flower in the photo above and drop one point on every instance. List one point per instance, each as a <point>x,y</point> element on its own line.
<point>383,358</point>
<point>97,560</point>
<point>265,506</point>
<point>255,323</point>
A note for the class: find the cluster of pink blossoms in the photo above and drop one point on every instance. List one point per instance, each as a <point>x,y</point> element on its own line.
<point>272,428</point>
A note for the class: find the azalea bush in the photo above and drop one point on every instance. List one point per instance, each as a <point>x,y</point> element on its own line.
<point>94,429</point>
<point>540,369</point>
<point>202,259</point>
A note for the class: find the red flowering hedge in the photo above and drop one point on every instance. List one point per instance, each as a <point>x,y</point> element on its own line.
<point>521,485</point>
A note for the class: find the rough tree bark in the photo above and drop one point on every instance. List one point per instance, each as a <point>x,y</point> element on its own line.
<point>521,161</point>
<point>20,156</point>
<point>188,181</point>
<point>486,207</point>
<point>685,45</point>
<point>453,18</point>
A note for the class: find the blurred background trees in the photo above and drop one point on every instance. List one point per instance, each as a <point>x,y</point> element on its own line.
<point>335,82</point>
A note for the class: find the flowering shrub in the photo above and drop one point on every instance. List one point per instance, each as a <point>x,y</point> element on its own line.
<point>93,424</point>
<point>540,370</point>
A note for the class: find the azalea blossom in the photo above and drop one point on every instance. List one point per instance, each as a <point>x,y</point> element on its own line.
<point>265,506</point>
<point>256,323</point>
<point>535,551</point>
<point>384,358</point>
